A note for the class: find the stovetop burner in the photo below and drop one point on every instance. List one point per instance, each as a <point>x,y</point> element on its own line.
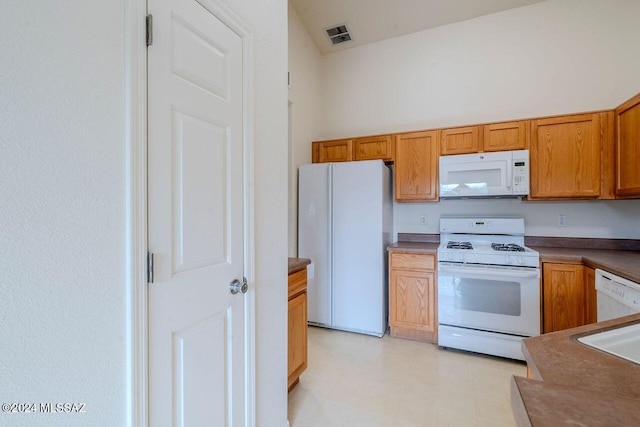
<point>508,247</point>
<point>485,241</point>
<point>459,245</point>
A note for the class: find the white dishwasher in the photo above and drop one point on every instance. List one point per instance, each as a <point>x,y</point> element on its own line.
<point>616,296</point>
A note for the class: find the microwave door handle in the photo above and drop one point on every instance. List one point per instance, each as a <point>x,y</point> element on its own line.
<point>490,272</point>
<point>509,174</point>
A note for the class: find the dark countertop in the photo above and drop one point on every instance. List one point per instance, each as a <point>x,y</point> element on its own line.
<point>297,264</point>
<point>622,263</point>
<point>600,253</point>
<point>580,385</point>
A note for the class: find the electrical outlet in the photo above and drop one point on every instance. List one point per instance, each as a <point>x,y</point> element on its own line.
<point>423,219</point>
<point>562,220</point>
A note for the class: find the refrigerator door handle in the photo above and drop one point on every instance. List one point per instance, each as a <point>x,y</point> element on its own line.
<point>331,251</point>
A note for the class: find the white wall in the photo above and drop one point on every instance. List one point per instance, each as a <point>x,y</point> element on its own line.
<point>62,281</point>
<point>62,209</point>
<point>305,99</point>
<point>554,57</point>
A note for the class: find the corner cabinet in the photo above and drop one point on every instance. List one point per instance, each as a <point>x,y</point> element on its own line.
<point>416,167</point>
<point>297,319</point>
<point>628,149</point>
<point>412,296</point>
<point>572,157</point>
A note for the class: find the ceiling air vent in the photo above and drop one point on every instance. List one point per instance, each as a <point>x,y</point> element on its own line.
<point>338,34</point>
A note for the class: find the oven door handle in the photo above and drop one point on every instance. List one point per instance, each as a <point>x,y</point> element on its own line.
<point>495,272</point>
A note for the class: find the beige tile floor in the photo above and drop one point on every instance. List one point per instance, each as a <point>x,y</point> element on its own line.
<point>356,380</point>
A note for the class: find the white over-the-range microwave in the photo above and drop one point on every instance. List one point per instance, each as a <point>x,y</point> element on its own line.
<point>496,174</point>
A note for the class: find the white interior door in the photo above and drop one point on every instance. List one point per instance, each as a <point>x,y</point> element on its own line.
<point>196,330</point>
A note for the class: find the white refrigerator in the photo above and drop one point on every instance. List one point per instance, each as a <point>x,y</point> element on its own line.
<point>344,227</point>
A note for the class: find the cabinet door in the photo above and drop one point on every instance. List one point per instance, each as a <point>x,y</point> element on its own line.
<point>372,148</point>
<point>591,304</point>
<point>460,140</point>
<point>628,148</point>
<point>297,352</point>
<point>412,300</point>
<point>416,167</point>
<point>334,151</point>
<point>566,157</point>
<point>505,136</point>
<point>564,296</point>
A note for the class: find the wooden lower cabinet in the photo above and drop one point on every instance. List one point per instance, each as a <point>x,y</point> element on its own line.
<point>569,296</point>
<point>297,341</point>
<point>591,304</point>
<point>412,296</point>
<point>529,372</point>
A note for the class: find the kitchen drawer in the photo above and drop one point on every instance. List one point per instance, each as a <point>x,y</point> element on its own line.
<point>413,261</point>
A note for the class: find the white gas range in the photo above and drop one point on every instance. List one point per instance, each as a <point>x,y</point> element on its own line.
<point>488,286</point>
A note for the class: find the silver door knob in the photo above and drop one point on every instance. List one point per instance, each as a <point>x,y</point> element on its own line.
<point>238,286</point>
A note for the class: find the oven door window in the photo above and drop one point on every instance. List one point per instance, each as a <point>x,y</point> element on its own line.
<point>487,296</point>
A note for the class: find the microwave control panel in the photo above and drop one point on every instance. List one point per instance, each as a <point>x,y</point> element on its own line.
<point>521,175</point>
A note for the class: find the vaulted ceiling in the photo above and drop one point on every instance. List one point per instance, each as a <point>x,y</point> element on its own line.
<point>370,21</point>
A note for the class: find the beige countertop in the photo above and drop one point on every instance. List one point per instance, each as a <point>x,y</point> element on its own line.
<point>574,384</point>
<point>297,264</point>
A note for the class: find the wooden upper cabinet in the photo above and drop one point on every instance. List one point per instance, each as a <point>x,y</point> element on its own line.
<point>505,136</point>
<point>571,157</point>
<point>374,147</point>
<point>460,140</point>
<point>416,167</point>
<point>339,150</point>
<point>628,148</point>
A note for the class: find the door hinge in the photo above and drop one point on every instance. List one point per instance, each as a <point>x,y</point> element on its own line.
<point>149,267</point>
<point>149,29</point>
